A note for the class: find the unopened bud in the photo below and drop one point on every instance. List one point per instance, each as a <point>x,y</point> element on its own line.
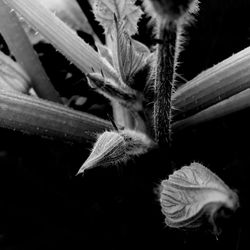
<point>112,148</point>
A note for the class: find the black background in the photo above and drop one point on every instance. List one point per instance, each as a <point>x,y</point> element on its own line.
<point>43,205</point>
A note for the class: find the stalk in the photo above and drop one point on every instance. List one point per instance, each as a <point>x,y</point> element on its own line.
<point>165,77</point>
<point>22,49</point>
<point>61,36</point>
<point>48,119</point>
<point>228,106</point>
<point>35,116</point>
<point>223,80</point>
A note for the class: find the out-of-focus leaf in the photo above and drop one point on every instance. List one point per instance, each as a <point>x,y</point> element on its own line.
<point>12,76</point>
<point>113,147</point>
<point>124,10</point>
<point>191,192</point>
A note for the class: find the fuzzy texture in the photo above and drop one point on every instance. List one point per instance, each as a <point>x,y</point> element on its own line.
<point>115,147</point>
<point>170,38</point>
<point>171,10</point>
<point>109,149</point>
<point>164,79</point>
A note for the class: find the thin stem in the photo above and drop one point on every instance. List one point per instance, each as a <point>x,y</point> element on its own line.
<point>22,49</point>
<point>165,75</point>
<point>48,119</point>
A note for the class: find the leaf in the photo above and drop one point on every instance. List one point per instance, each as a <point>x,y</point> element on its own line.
<point>190,192</point>
<point>112,148</point>
<point>131,55</point>
<point>12,76</point>
<point>125,11</point>
<point>105,53</point>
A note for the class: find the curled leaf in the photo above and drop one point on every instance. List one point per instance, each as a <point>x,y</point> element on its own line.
<point>12,76</point>
<point>112,148</point>
<point>124,10</point>
<point>192,191</point>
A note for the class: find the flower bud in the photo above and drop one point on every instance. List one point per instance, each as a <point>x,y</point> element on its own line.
<point>191,192</point>
<point>112,148</point>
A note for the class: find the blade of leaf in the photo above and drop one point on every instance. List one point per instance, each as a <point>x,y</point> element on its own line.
<point>129,59</point>
<point>124,10</point>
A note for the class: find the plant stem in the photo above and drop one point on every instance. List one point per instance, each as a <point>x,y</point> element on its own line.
<point>22,49</point>
<point>35,116</point>
<point>165,76</point>
<point>233,104</point>
<point>48,119</point>
<point>223,80</point>
<point>61,36</point>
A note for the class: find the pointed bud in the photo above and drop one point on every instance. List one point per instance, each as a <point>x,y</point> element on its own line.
<point>112,148</point>
<point>192,192</point>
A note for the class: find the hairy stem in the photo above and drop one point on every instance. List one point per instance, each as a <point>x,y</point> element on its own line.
<point>22,49</point>
<point>164,79</point>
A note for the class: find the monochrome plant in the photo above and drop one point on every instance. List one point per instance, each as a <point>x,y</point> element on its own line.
<point>142,121</point>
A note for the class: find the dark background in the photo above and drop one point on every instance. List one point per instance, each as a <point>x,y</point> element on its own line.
<point>43,205</point>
